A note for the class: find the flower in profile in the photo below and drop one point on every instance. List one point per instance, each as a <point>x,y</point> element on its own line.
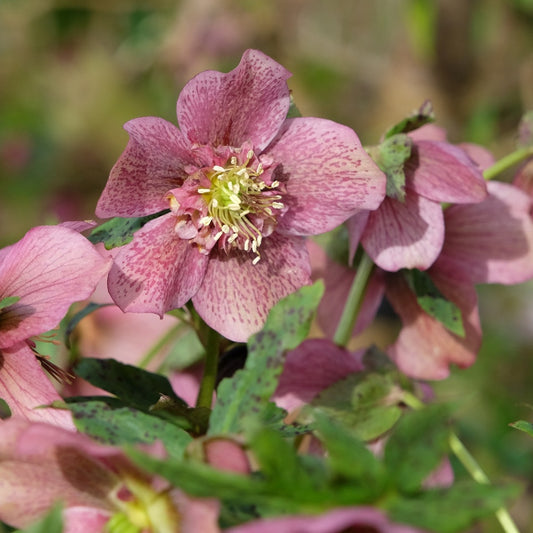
<point>244,184</point>
<point>407,231</point>
<point>40,277</point>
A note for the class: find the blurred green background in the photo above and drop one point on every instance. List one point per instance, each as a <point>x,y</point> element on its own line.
<point>72,72</point>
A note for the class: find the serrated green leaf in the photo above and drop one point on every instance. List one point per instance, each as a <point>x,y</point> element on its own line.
<point>109,421</point>
<point>119,231</point>
<point>248,392</point>
<point>418,119</point>
<point>434,303</point>
<point>8,300</point>
<point>417,446</point>
<point>51,523</point>
<point>451,510</point>
<point>522,425</point>
<point>365,402</point>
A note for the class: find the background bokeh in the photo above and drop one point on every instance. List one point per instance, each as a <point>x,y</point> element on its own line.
<point>72,72</point>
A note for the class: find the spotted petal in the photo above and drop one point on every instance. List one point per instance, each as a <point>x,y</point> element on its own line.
<point>152,163</point>
<point>247,104</point>
<point>328,175</point>
<point>157,271</point>
<point>48,269</point>
<point>404,235</point>
<point>237,295</point>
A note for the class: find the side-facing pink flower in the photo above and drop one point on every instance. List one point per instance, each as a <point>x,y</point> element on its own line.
<point>410,233</point>
<point>244,184</point>
<point>47,270</point>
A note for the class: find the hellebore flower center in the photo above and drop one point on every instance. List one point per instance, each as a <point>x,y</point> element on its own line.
<point>233,206</point>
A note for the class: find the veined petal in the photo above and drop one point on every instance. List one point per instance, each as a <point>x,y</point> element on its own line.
<point>328,175</point>
<point>425,349</point>
<point>25,387</point>
<point>48,269</point>
<point>152,163</point>
<point>236,295</point>
<point>247,104</point>
<point>356,225</point>
<point>444,173</point>
<point>404,234</point>
<point>157,271</point>
<point>490,242</point>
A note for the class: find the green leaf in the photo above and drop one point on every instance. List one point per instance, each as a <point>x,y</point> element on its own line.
<point>8,300</point>
<point>80,315</point>
<point>248,392</point>
<point>365,402</point>
<point>109,421</point>
<point>273,417</point>
<point>451,510</point>
<point>119,231</point>
<point>418,119</point>
<point>522,425</point>
<point>434,303</point>
<point>51,523</point>
<point>417,446</point>
<point>136,387</point>
<point>293,112</point>
<point>5,411</point>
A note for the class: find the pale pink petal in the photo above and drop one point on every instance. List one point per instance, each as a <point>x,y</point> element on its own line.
<point>524,178</point>
<point>312,367</point>
<point>25,387</point>
<point>490,242</point>
<point>328,175</point>
<point>444,173</point>
<point>237,295</point>
<point>48,269</point>
<point>428,132</point>
<point>247,104</point>
<point>338,280</point>
<point>226,454</point>
<point>85,520</point>
<point>157,271</point>
<point>197,515</point>
<point>152,164</point>
<point>404,234</point>
<point>425,349</point>
<point>479,154</point>
<point>335,521</point>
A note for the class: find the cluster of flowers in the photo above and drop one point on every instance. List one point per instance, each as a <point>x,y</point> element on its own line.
<point>233,194</point>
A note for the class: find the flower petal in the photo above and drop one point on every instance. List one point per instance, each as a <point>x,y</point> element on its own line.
<point>490,242</point>
<point>25,387</point>
<point>404,235</point>
<point>48,269</point>
<point>85,520</point>
<point>152,164</point>
<point>444,173</point>
<point>425,349</point>
<point>328,175</point>
<point>157,271</point>
<point>236,295</point>
<point>247,104</point>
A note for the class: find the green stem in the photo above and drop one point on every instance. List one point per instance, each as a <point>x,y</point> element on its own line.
<point>159,345</point>
<point>353,304</point>
<point>507,162</point>
<point>470,464</point>
<point>205,394</point>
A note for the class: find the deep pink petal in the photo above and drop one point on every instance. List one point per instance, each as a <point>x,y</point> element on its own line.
<point>157,271</point>
<point>25,387</point>
<point>312,367</point>
<point>490,242</point>
<point>49,268</point>
<point>356,225</point>
<point>328,175</point>
<point>236,295</point>
<point>425,349</point>
<point>152,164</point>
<point>247,104</point>
<point>335,521</point>
<point>404,235</point>
<point>444,173</point>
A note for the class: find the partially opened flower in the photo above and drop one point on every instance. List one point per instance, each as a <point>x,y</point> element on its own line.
<point>40,277</point>
<point>409,232</point>
<point>244,184</point>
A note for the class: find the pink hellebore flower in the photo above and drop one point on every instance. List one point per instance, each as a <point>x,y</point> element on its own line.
<point>244,184</point>
<point>410,234</point>
<point>41,464</point>
<point>48,270</point>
